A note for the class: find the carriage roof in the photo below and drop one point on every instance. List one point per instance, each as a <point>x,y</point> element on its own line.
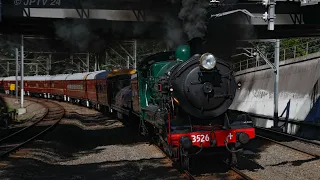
<point>36,78</point>
<point>118,72</point>
<point>98,75</point>
<point>78,76</point>
<point>59,77</point>
<point>11,78</point>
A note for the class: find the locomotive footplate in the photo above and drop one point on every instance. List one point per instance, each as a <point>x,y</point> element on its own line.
<point>213,138</point>
<point>223,143</point>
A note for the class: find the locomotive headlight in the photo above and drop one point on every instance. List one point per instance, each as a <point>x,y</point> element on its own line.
<point>208,61</point>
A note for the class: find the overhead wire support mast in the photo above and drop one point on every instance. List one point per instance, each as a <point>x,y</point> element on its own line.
<point>275,68</point>
<point>270,16</point>
<point>276,85</point>
<point>22,72</point>
<point>17,71</point>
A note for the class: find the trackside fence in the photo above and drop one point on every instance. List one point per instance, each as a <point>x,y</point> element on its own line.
<point>285,54</point>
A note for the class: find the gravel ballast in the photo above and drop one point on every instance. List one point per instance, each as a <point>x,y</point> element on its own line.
<point>108,151</point>
<point>34,109</point>
<point>274,162</point>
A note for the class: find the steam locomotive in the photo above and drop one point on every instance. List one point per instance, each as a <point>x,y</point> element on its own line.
<point>180,99</point>
<point>184,100</point>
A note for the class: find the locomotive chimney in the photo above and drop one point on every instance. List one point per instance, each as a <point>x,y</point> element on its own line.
<point>196,46</point>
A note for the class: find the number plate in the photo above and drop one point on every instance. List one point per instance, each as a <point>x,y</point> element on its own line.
<point>200,138</point>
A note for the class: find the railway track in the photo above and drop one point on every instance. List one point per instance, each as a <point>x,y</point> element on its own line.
<point>295,143</point>
<point>232,173</point>
<point>305,146</point>
<point>14,141</point>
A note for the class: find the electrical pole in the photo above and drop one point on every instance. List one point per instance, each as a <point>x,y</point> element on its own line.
<point>271,13</point>
<point>270,16</point>
<point>37,67</point>
<point>17,71</point>
<point>95,63</point>
<point>8,68</point>
<point>106,59</point>
<point>48,64</point>
<point>22,72</point>
<point>135,55</point>
<point>128,62</point>
<point>88,61</point>
<point>276,84</point>
<point>50,61</point>
<point>71,57</point>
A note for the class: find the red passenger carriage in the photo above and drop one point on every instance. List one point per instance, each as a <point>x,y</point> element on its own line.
<point>57,87</point>
<point>35,85</point>
<point>7,82</point>
<point>96,83</point>
<point>77,87</point>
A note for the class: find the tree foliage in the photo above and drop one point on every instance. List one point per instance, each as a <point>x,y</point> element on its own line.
<point>291,47</point>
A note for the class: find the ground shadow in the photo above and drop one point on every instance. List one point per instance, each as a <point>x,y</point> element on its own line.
<point>141,169</point>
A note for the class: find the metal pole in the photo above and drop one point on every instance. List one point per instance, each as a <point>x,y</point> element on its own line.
<point>17,71</point>
<point>22,72</point>
<point>48,66</point>
<point>50,60</point>
<point>8,68</point>
<point>95,63</point>
<point>276,83</point>
<point>88,59</point>
<point>271,15</point>
<point>307,48</point>
<point>37,66</point>
<point>106,60</point>
<point>135,55</point>
<point>71,57</point>
<point>128,62</point>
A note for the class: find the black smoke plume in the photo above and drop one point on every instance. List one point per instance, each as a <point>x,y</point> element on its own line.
<point>175,35</point>
<point>224,34</point>
<point>193,14</point>
<point>76,34</point>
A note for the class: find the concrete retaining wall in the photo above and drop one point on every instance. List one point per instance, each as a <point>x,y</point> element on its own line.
<point>298,83</point>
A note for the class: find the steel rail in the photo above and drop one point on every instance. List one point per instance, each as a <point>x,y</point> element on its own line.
<point>33,124</point>
<point>57,118</point>
<point>290,147</point>
<point>241,173</point>
<point>289,135</point>
<point>189,176</point>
